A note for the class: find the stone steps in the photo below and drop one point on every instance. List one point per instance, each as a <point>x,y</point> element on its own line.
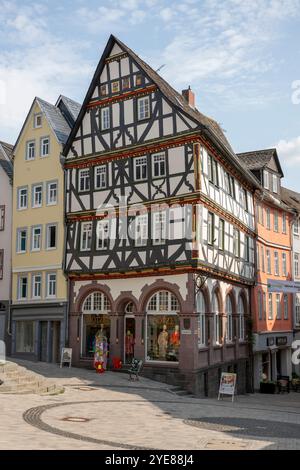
<point>19,380</point>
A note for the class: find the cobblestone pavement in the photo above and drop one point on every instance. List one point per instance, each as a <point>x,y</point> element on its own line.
<point>109,412</point>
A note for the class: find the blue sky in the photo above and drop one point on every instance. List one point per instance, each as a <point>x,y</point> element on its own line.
<point>242,59</point>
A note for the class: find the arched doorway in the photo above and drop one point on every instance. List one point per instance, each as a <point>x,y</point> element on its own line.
<point>129,332</point>
<point>163,332</point>
<point>95,316</point>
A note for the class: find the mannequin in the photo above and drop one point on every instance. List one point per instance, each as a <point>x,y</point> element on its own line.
<point>175,337</point>
<point>129,345</point>
<point>163,342</point>
<point>101,349</point>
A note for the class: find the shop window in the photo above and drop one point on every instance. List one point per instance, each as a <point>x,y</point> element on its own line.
<point>163,332</point>
<point>201,308</point>
<point>217,320</point>
<point>229,323</point>
<point>24,336</point>
<point>94,318</point>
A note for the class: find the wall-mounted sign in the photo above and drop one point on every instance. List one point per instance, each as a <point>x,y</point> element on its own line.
<point>227,384</point>
<point>281,340</point>
<point>66,356</point>
<point>270,341</point>
<point>186,332</point>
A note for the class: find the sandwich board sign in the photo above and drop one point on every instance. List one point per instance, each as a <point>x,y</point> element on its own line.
<point>66,357</point>
<point>227,384</point>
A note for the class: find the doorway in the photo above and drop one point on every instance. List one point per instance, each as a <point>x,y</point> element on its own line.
<point>56,341</point>
<point>43,341</point>
<point>129,333</point>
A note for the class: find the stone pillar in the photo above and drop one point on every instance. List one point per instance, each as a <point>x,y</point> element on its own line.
<point>188,348</point>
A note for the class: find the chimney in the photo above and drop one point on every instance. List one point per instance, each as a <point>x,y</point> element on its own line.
<point>189,96</point>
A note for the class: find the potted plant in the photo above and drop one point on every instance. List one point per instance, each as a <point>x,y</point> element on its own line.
<point>267,386</point>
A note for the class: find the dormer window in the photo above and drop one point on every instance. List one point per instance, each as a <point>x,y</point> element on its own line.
<point>37,121</point>
<point>275,184</point>
<point>266,179</point>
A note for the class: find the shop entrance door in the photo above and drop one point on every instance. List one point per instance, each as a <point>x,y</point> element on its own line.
<point>129,338</point>
<point>55,341</point>
<point>43,341</point>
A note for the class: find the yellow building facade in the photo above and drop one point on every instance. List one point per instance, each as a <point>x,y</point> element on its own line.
<point>39,287</point>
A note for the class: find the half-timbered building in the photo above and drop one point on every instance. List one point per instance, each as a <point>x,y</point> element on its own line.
<point>160,229</point>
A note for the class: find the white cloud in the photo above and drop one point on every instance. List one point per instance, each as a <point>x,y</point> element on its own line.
<point>289,151</point>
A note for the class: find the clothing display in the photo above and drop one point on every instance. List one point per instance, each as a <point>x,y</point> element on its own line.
<point>129,346</point>
<point>163,342</point>
<point>101,349</point>
<point>175,338</point>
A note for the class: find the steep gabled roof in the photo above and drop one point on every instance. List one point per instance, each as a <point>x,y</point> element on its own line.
<point>291,198</point>
<point>259,159</point>
<point>72,106</point>
<point>6,158</point>
<point>207,124</point>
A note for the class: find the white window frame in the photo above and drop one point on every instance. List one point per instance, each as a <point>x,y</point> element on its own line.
<point>19,231</point>
<point>35,118</point>
<point>88,239</point>
<point>105,118</point>
<point>276,263</point>
<point>51,191</point>
<point>276,221</point>
<point>101,174</point>
<point>268,218</point>
<point>217,319</point>
<point>159,224</point>
<point>269,265</point>
<point>50,282</point>
<point>284,265</point>
<point>48,227</point>
<point>141,230</point>
<point>159,169</point>
<point>210,228</point>
<point>36,227</point>
<point>296,228</point>
<point>20,196</point>
<point>33,280</point>
<point>201,308</point>
<point>22,276</point>
<point>86,180</point>
<point>296,264</point>
<point>266,179</point>
<point>140,164</point>
<point>229,322</point>
<point>102,238</point>
<point>143,108</point>
<point>44,146</point>
<point>30,154</point>
<point>283,222</point>
<point>221,234</point>
<point>260,305</point>
<point>34,187</point>
<point>285,307</point>
<point>275,184</point>
<point>278,306</point>
<point>270,306</point>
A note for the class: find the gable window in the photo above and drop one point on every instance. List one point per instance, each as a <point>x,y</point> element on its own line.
<point>270,315</point>
<point>86,236</point>
<point>105,119</point>
<point>141,230</point>
<point>126,83</point>
<point>143,107</point>
<point>51,235</point>
<point>37,121</point>
<point>22,287</point>
<point>221,234</point>
<point>210,228</point>
<point>51,193</point>
<point>278,307</point>
<point>268,213</point>
<point>296,265</point>
<point>36,286</point>
<point>45,146</point>
<point>276,263</point>
<point>268,261</point>
<point>159,165</point>
<point>2,217</point>
<point>159,228</point>
<point>275,184</point>
<point>51,285</point>
<point>285,307</point>
<point>115,86</point>
<point>100,177</point>
<point>22,198</point>
<point>37,195</point>
<point>266,179</point>
<point>140,168</point>
<point>30,150</point>
<point>283,222</point>
<point>36,238</point>
<point>84,180</point>
<point>103,90</point>
<point>1,263</point>
<point>284,270</point>
<point>102,234</point>
<point>296,227</point>
<point>201,309</point>
<point>236,243</point>
<point>21,240</point>
<point>275,221</point>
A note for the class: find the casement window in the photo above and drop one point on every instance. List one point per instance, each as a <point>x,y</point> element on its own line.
<point>159,228</point>
<point>268,216</point>
<point>284,266</point>
<point>115,86</point>
<point>2,218</point>
<point>283,222</point>
<point>229,185</point>
<point>278,307</point>
<point>100,177</point>
<point>21,240</point>
<point>1,263</point>
<point>268,254</point>
<point>37,195</point>
<point>276,263</point>
<point>236,243</point>
<point>37,121</point>
<point>213,175</point>
<point>51,285</point>
<point>36,286</point>
<point>158,165</point>
<point>125,83</point>
<point>84,180</point>
<point>296,227</point>
<point>264,305</point>
<point>266,179</point>
<point>260,305</point>
<point>275,184</point>
<point>244,199</point>
<point>51,236</point>
<point>30,150</point>
<point>258,257</point>
<point>143,108</point>
<point>45,146</point>
<point>241,317</point>
<point>270,313</point>
<point>36,238</point>
<point>201,309</point>
<point>262,259</point>
<point>22,287</point>
<point>285,307</point>
<point>86,236</point>
<point>218,325</point>
<point>247,248</point>
<point>221,234</point>
<point>103,90</point>
<point>22,198</point>
<point>276,221</point>
<point>140,168</point>
<point>296,264</point>
<point>102,234</point>
<point>105,119</point>
<point>52,193</point>
<point>141,230</point>
<point>229,322</point>
<point>210,228</point>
